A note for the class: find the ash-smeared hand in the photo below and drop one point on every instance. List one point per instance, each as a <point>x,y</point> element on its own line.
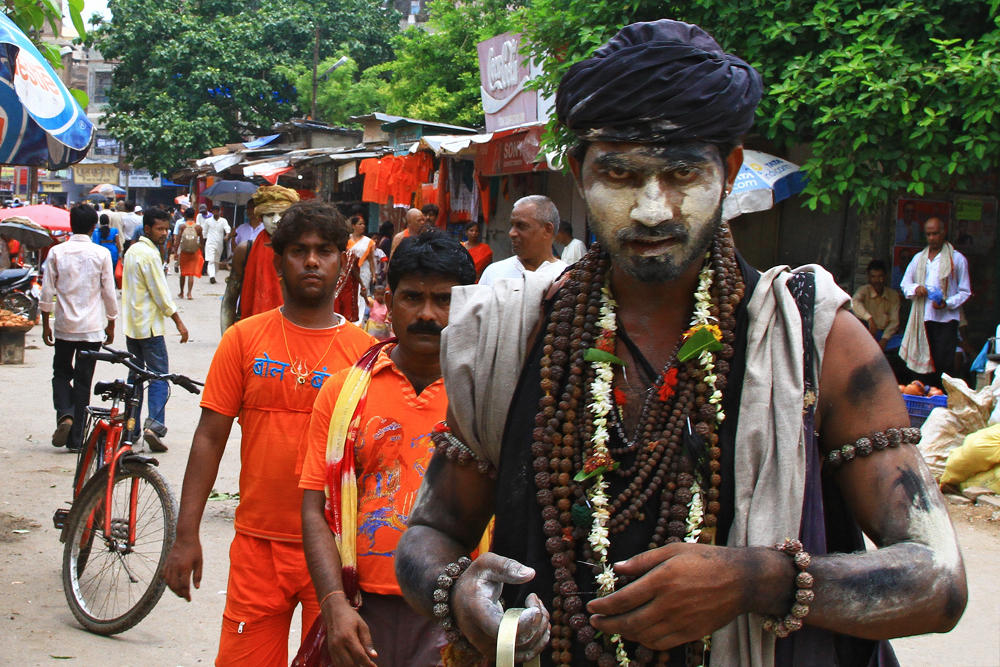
<point>476,607</point>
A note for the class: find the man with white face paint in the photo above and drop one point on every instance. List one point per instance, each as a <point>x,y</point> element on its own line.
<point>668,487</point>
<point>253,285</point>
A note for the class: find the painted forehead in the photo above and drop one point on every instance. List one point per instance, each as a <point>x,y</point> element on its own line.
<point>606,154</point>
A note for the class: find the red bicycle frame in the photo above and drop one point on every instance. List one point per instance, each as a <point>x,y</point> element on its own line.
<point>112,429</point>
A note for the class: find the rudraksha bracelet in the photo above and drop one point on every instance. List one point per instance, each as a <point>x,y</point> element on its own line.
<point>782,627</point>
<point>877,442</point>
<point>456,450</point>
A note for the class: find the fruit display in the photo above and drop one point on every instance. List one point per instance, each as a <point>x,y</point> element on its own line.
<point>918,388</point>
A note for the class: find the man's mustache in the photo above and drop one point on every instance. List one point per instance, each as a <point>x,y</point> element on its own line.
<point>671,230</point>
<point>429,327</point>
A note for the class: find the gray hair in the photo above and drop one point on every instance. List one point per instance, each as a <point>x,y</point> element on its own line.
<point>545,209</point>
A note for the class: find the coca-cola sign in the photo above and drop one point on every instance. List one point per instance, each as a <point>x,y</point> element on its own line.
<point>503,74</point>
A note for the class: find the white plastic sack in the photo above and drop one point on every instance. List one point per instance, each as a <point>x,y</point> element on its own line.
<point>945,429</point>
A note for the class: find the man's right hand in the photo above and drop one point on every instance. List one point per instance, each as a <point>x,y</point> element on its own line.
<point>183,563</point>
<point>872,329</point>
<point>476,608</point>
<point>182,330</point>
<point>47,336</point>
<point>920,291</point>
<point>347,637</point>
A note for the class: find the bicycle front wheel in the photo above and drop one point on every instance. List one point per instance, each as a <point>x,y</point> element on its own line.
<point>112,577</point>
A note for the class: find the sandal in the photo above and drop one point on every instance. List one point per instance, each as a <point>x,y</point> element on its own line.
<point>61,434</point>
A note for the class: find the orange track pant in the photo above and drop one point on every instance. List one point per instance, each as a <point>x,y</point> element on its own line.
<point>267,580</point>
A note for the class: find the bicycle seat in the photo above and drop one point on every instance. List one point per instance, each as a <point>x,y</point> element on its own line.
<point>118,389</point>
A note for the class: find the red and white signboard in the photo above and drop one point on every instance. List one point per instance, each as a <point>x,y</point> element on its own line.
<point>503,75</point>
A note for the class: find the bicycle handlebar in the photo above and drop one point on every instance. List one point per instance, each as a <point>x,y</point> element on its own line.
<point>126,359</point>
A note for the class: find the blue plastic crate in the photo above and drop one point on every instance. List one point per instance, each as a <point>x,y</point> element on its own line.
<point>918,407</point>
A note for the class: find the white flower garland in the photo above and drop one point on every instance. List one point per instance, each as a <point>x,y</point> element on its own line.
<point>602,402</point>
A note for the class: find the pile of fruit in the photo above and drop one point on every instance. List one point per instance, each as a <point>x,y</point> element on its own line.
<point>9,319</point>
<point>918,388</point>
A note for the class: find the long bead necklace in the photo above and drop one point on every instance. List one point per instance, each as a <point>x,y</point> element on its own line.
<point>298,367</point>
<point>565,430</point>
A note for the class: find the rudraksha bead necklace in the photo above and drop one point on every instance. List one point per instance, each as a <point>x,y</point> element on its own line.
<point>661,469</point>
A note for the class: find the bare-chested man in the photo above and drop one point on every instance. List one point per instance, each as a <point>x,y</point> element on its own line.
<point>415,221</point>
<point>252,286</point>
<point>664,415</point>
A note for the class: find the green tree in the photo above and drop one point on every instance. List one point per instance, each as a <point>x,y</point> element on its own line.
<point>340,94</point>
<point>891,96</point>
<point>193,74</point>
<point>435,75</point>
<point>31,15</point>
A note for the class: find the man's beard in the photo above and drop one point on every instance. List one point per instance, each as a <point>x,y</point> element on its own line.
<point>660,268</point>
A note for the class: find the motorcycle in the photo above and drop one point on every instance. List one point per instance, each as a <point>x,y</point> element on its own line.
<point>15,292</point>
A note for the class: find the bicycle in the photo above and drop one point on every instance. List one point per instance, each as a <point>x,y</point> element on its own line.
<point>123,519</point>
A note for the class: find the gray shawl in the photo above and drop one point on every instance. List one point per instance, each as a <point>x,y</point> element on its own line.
<point>483,351</point>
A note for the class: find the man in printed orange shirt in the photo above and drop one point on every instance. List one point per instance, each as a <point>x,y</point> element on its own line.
<point>268,371</point>
<point>390,451</point>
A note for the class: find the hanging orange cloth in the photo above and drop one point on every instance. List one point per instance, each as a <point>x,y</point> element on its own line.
<point>261,287</point>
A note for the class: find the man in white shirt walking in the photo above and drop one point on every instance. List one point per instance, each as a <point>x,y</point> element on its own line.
<point>215,229</point>
<point>79,285</point>
<point>146,301</point>
<point>573,249</point>
<point>533,223</point>
<point>937,282</point>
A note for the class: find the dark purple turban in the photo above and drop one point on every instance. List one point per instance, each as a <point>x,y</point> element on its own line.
<point>662,81</point>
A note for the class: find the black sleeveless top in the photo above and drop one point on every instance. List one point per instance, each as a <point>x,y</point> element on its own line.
<point>518,533</point>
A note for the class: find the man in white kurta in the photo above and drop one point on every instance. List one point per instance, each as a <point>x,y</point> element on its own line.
<point>216,229</point>
<point>937,282</point>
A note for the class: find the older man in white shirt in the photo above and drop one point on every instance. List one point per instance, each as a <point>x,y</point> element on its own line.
<point>937,282</point>
<point>79,286</point>
<point>216,230</point>
<point>533,223</point>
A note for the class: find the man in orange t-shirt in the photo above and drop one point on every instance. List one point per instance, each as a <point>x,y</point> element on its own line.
<point>405,399</point>
<point>268,371</point>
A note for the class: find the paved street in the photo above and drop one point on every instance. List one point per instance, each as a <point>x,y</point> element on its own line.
<point>37,628</point>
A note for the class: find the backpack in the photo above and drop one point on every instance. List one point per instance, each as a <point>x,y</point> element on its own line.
<point>189,239</point>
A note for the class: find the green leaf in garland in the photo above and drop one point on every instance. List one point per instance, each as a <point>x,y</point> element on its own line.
<point>593,354</point>
<point>701,340</point>
<point>583,475</point>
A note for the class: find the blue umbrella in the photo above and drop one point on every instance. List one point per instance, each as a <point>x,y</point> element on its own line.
<point>40,122</point>
<point>762,182</point>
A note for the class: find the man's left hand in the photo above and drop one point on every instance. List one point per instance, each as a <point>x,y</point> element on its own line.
<point>683,592</point>
<point>109,333</point>
<point>939,305</point>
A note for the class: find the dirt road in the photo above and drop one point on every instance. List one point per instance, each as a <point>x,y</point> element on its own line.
<point>37,628</point>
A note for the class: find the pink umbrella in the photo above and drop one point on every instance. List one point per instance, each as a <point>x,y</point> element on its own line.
<point>50,217</point>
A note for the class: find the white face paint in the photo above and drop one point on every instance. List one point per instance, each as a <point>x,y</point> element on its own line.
<point>271,221</point>
<point>654,208</point>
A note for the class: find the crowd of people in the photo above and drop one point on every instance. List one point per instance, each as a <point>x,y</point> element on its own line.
<point>625,445</point>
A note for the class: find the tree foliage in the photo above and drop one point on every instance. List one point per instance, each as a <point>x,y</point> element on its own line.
<point>892,96</point>
<point>340,94</point>
<point>435,75</point>
<point>193,74</point>
<point>32,15</point>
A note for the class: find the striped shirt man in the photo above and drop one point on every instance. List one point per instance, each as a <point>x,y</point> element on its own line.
<point>146,298</point>
<point>146,301</point>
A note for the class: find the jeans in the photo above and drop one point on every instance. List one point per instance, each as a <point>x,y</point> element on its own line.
<point>71,384</point>
<point>151,353</point>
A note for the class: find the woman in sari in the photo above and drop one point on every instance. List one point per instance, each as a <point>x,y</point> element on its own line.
<point>481,253</point>
<point>356,274</point>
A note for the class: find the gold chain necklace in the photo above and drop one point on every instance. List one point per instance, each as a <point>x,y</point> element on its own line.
<point>297,366</point>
